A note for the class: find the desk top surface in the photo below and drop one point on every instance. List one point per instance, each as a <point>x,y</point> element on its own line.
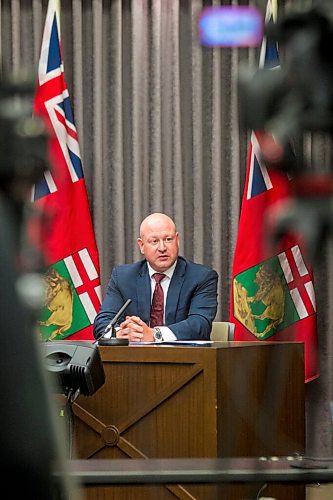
<point>200,470</point>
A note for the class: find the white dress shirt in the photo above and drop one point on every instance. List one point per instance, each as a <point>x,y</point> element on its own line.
<point>168,335</point>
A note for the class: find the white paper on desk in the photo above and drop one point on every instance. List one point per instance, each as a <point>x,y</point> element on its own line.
<point>142,343</point>
<point>177,343</point>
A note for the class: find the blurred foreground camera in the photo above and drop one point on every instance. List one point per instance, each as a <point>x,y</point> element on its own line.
<point>299,96</point>
<point>23,141</point>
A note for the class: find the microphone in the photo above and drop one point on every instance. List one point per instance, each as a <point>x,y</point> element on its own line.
<point>113,340</point>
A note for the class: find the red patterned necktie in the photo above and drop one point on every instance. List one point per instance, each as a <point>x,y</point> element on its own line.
<point>157,305</point>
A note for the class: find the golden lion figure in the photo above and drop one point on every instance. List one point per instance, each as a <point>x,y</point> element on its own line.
<point>59,300</point>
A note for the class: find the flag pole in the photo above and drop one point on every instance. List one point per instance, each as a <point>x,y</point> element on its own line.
<point>274,10</point>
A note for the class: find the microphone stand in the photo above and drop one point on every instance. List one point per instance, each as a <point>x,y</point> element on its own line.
<point>113,340</point>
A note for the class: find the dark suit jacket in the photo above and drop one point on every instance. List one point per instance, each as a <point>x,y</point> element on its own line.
<point>191,303</point>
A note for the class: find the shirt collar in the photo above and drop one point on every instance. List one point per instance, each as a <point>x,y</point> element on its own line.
<point>169,272</point>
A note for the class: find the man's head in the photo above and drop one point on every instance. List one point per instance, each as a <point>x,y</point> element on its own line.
<point>159,241</point>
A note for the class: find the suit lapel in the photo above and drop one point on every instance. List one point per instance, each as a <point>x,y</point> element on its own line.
<point>144,294</point>
<point>175,286</point>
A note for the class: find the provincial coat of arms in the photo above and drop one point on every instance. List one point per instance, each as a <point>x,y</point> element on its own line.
<point>267,296</point>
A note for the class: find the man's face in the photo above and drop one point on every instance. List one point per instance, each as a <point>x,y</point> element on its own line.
<point>159,243</point>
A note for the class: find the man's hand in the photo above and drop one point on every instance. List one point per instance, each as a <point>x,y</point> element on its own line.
<point>135,330</point>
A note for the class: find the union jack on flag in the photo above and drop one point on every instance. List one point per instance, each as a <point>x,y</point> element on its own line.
<point>56,103</point>
<point>259,179</point>
<point>62,196</point>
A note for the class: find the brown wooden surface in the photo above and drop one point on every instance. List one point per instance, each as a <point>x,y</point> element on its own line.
<point>231,399</point>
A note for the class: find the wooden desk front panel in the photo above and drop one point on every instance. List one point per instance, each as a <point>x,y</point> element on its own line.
<point>233,399</point>
<point>261,395</point>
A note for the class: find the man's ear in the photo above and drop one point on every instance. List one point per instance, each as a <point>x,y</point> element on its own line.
<point>140,243</point>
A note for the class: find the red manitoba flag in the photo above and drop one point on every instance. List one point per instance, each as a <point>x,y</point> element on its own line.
<point>73,292</point>
<point>272,291</point>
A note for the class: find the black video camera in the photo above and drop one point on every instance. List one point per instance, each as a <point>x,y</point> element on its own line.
<point>23,139</point>
<point>298,96</point>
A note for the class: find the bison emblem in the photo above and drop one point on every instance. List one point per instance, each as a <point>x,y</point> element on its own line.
<point>59,300</point>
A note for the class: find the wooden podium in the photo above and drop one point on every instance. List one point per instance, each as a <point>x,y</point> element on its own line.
<point>232,399</point>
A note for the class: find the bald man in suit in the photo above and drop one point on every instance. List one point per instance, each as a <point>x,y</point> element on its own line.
<point>189,290</point>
